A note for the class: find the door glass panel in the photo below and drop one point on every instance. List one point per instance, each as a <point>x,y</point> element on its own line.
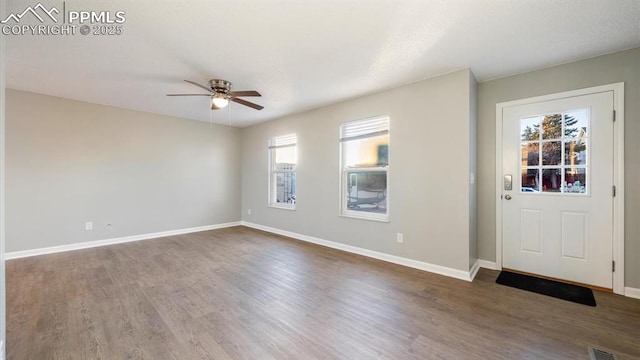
<point>552,153</point>
<point>575,180</point>
<point>530,128</point>
<point>530,182</point>
<point>575,152</point>
<point>551,126</point>
<point>530,154</point>
<point>551,180</point>
<point>576,124</point>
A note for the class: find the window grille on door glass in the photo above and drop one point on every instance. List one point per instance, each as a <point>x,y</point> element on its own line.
<point>282,171</point>
<point>364,168</point>
<point>555,156</point>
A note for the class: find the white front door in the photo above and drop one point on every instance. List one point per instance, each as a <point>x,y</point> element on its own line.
<point>557,218</point>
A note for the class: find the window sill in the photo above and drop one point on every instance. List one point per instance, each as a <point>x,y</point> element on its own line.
<point>369,218</point>
<point>283,207</point>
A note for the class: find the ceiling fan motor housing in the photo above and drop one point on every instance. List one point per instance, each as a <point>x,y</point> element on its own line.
<point>220,86</point>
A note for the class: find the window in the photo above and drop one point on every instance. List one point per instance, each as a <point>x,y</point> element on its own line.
<point>364,148</point>
<point>282,171</point>
<point>546,168</point>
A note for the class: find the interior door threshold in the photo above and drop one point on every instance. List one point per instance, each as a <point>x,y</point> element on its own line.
<point>592,287</point>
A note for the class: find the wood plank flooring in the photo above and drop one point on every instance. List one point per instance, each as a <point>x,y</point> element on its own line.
<point>240,293</point>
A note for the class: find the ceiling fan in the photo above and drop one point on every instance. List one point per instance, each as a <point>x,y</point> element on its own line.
<point>220,93</point>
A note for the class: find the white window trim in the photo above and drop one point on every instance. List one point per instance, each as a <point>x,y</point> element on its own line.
<point>343,208</point>
<point>285,141</point>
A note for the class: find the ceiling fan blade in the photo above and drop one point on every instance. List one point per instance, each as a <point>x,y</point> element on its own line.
<point>188,94</point>
<point>198,85</point>
<point>245,93</point>
<point>247,103</point>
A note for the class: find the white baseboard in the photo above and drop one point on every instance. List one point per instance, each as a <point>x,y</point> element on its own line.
<point>491,265</point>
<point>91,244</point>
<point>632,292</point>
<point>437,269</point>
<point>474,270</point>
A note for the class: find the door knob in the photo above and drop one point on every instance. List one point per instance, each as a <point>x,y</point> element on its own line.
<point>508,197</point>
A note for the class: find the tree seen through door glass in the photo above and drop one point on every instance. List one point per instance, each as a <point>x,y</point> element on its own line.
<point>530,154</point>
<point>575,152</point>
<point>530,181</point>
<point>530,128</point>
<point>575,124</point>
<point>551,153</point>
<point>551,180</point>
<point>551,126</point>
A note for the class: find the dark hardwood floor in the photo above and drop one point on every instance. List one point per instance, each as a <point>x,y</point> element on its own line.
<point>239,293</point>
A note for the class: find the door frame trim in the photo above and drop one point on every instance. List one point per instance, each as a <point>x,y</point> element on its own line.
<point>618,170</point>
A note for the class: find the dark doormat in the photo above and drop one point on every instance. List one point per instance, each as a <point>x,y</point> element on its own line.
<point>574,293</point>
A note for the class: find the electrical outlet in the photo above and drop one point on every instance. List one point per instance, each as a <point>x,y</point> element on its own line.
<point>400,238</point>
<point>88,225</point>
<point>249,212</point>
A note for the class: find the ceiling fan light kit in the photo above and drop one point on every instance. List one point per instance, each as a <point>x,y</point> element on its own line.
<point>218,101</point>
<point>220,93</point>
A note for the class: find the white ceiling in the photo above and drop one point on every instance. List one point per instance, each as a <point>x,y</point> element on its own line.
<point>305,54</point>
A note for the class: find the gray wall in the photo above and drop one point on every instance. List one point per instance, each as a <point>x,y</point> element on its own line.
<point>619,67</point>
<point>473,170</point>
<point>428,181</point>
<point>69,162</point>
<point>3,315</point>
